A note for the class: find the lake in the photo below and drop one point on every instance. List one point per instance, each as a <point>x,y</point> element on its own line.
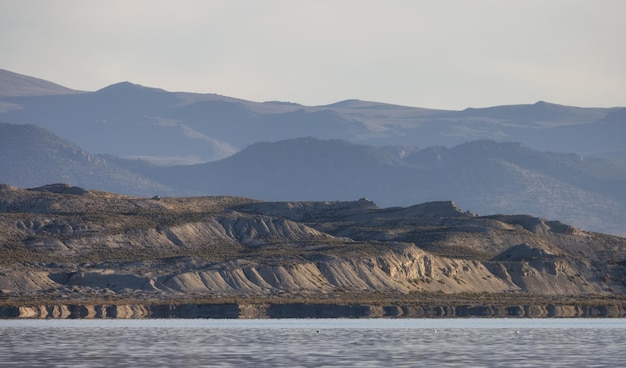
<point>313,343</point>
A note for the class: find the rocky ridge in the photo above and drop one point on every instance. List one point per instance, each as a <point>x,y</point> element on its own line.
<point>67,251</point>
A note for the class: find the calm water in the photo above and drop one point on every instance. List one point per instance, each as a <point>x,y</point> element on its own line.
<point>314,343</point>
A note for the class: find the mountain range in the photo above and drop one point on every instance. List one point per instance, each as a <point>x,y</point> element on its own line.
<point>145,141</point>
<point>484,176</point>
<point>129,120</point>
<point>135,202</point>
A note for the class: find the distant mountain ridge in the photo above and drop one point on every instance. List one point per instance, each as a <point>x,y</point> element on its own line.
<point>207,144</point>
<point>32,157</point>
<point>129,120</point>
<point>14,84</point>
<point>481,176</point>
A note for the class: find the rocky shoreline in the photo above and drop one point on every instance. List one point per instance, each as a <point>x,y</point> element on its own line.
<point>300,310</point>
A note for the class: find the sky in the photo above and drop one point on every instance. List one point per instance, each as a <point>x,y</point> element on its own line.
<point>446,54</point>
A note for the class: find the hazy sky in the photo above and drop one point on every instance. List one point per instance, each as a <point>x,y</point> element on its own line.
<point>441,54</point>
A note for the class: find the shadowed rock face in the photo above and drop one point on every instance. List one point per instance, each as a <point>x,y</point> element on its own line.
<point>61,189</point>
<point>65,242</point>
<point>310,310</point>
<point>523,252</point>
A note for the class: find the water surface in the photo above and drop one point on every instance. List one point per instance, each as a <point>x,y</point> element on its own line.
<point>314,343</point>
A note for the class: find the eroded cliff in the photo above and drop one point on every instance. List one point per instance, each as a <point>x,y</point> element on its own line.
<point>64,243</point>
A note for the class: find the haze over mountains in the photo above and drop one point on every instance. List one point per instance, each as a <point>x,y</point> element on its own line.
<point>393,155</point>
<point>482,176</point>
<point>129,120</point>
<point>31,155</point>
<point>14,84</point>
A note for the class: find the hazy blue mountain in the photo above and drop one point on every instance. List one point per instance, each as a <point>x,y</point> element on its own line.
<point>122,119</point>
<point>490,177</point>
<point>242,124</point>
<point>484,177</point>
<point>302,168</point>
<point>540,114</point>
<point>129,120</point>
<point>14,84</point>
<point>31,156</point>
<point>542,126</point>
<point>386,160</point>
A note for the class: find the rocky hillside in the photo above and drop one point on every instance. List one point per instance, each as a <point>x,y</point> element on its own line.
<point>63,243</point>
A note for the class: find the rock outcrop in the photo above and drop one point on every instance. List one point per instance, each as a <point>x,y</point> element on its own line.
<point>63,243</point>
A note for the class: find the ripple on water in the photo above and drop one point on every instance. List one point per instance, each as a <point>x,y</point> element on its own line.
<point>312,343</point>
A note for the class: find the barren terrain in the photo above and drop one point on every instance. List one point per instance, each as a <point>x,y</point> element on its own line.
<point>69,252</point>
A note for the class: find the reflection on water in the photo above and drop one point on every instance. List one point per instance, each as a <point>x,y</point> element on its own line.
<point>313,343</point>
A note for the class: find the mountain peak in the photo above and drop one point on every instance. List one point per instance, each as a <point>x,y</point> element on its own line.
<point>348,103</point>
<point>127,86</point>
